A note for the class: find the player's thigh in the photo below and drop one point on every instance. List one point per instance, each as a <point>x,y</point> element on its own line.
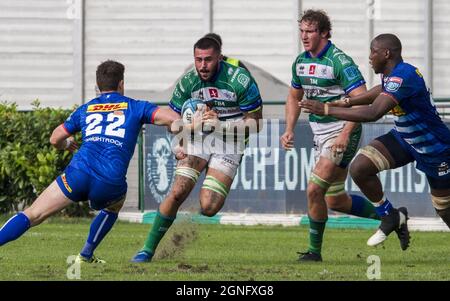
<point>222,169</point>
<point>103,195</point>
<point>336,194</point>
<point>186,175</point>
<point>115,208</point>
<point>440,187</point>
<point>215,189</point>
<point>323,144</point>
<point>327,170</point>
<point>49,202</point>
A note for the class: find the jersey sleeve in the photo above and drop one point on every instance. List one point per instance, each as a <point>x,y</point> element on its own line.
<point>295,82</point>
<point>148,111</point>
<point>347,73</point>
<point>180,95</point>
<point>73,122</point>
<point>399,86</point>
<point>248,96</point>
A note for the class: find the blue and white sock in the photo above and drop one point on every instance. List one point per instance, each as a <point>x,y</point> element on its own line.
<point>14,228</point>
<point>100,226</point>
<point>383,207</point>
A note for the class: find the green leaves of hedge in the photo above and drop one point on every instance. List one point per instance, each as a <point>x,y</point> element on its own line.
<point>28,162</point>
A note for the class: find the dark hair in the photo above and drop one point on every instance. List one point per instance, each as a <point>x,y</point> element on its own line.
<point>109,74</point>
<point>209,42</point>
<point>317,16</point>
<point>215,37</point>
<point>391,42</point>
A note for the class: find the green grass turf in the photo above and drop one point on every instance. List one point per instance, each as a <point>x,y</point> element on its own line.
<point>221,252</point>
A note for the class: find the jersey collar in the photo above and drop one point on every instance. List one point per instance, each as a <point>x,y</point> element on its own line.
<point>321,53</point>
<point>108,95</point>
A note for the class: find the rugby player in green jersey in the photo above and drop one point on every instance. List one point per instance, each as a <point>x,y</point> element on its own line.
<point>325,73</point>
<point>233,97</point>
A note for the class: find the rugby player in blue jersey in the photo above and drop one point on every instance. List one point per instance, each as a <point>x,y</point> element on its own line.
<point>110,125</point>
<point>419,135</point>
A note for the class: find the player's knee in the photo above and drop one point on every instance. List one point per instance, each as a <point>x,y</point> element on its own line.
<point>357,170</point>
<point>209,211</point>
<point>115,208</point>
<point>336,203</point>
<point>313,192</point>
<point>316,187</point>
<point>369,161</point>
<point>34,216</point>
<point>175,198</point>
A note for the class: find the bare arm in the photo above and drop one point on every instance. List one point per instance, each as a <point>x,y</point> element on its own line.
<point>381,105</point>
<point>62,140</point>
<point>165,116</point>
<point>365,98</point>
<point>350,126</point>
<point>292,112</point>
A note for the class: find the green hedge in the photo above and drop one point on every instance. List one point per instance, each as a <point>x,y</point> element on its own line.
<point>28,162</point>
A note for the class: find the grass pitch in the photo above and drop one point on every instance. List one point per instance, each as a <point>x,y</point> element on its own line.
<point>218,252</point>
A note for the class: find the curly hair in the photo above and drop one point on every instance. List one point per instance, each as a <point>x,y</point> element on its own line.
<point>317,16</point>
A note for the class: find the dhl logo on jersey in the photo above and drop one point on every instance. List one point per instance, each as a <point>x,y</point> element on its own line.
<point>397,111</point>
<point>107,107</point>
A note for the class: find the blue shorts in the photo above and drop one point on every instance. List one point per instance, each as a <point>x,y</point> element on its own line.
<point>79,186</point>
<point>436,168</point>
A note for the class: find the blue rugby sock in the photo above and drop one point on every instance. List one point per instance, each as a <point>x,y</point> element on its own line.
<point>385,208</point>
<point>14,228</point>
<point>100,226</point>
<point>362,207</point>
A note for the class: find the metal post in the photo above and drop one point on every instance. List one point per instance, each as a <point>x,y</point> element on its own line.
<point>372,12</point>
<point>298,47</point>
<point>208,16</point>
<point>76,12</point>
<point>141,168</point>
<point>428,55</point>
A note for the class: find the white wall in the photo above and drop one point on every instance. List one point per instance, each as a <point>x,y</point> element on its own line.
<point>153,39</point>
<point>39,40</point>
<point>36,55</point>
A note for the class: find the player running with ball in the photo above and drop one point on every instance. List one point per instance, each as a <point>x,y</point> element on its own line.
<point>234,98</point>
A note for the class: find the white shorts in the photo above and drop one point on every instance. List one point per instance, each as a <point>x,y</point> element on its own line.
<point>324,136</point>
<point>222,156</point>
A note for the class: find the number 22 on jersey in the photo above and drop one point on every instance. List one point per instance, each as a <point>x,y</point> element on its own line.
<point>112,129</point>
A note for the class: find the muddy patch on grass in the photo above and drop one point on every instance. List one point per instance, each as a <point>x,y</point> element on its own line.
<point>176,240</point>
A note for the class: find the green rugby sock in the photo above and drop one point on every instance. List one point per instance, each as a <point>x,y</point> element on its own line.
<point>160,226</point>
<point>316,229</point>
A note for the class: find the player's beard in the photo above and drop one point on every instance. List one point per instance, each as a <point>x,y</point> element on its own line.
<point>209,75</point>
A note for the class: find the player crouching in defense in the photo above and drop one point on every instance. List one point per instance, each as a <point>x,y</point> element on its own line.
<point>419,135</point>
<point>110,125</point>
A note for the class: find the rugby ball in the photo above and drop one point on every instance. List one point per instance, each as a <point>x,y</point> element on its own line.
<point>189,107</point>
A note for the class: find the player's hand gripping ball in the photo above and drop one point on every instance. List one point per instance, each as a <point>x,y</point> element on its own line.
<point>191,113</point>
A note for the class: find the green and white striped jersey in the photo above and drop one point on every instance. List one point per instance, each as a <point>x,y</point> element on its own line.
<point>327,77</point>
<point>231,92</point>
